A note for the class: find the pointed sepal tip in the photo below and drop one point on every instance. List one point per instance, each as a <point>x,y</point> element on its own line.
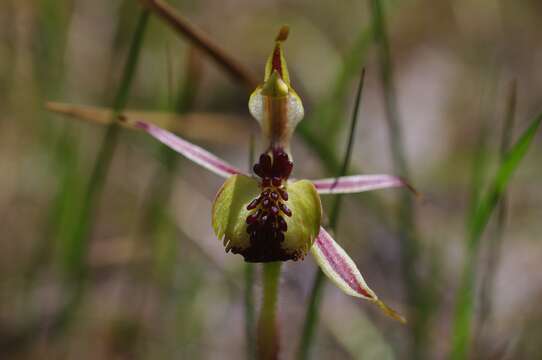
<point>390,312</point>
<point>283,33</point>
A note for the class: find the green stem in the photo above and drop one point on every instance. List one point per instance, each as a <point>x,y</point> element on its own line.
<point>249,283</point>
<point>418,296</point>
<point>495,245</point>
<point>268,337</point>
<point>105,155</point>
<point>76,257</point>
<point>487,203</point>
<point>311,316</point>
<point>461,338</point>
<point>249,310</point>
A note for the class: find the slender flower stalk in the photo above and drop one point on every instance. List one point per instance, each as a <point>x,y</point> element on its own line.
<point>249,287</point>
<point>156,224</point>
<point>249,309</point>
<point>268,331</point>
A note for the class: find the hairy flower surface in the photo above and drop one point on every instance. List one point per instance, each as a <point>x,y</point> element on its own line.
<point>267,216</point>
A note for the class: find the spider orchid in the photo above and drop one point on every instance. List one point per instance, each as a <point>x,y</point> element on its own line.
<point>268,217</point>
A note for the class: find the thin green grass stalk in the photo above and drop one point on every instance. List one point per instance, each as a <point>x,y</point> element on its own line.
<point>479,170</point>
<point>479,173</point>
<point>156,226</point>
<point>332,163</point>
<point>495,245</point>
<point>60,211</point>
<point>480,162</point>
<point>268,330</point>
<point>418,296</point>
<point>76,257</point>
<point>311,316</point>
<point>53,19</point>
<point>78,249</point>
<point>326,118</point>
<point>161,185</point>
<point>461,332</point>
<point>249,284</point>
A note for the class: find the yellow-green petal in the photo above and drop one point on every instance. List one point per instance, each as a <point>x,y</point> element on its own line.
<point>230,213</point>
<point>304,225</point>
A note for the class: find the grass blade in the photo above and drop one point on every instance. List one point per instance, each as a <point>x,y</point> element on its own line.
<point>75,258</point>
<point>311,316</point>
<point>465,304</point>
<point>417,295</point>
<point>157,232</point>
<point>495,244</point>
<point>76,250</point>
<point>327,117</point>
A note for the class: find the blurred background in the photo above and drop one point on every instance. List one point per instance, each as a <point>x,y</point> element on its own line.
<point>117,260</point>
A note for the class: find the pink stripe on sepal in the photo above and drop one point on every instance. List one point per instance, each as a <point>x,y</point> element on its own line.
<point>359,183</point>
<point>343,272</point>
<point>190,151</point>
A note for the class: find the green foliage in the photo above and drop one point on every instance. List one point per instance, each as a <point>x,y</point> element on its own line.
<point>483,210</point>
<point>76,251</point>
<point>311,315</point>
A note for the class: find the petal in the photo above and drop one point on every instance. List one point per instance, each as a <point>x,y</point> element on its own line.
<point>230,211</point>
<point>359,183</point>
<point>304,224</point>
<point>190,151</point>
<point>342,271</point>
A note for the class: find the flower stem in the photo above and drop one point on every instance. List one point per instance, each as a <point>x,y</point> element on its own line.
<point>249,310</point>
<point>249,284</point>
<point>268,337</point>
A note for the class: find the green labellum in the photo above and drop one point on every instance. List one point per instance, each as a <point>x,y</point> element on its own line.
<point>230,214</point>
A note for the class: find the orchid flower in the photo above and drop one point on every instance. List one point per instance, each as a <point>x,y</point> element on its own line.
<point>266,216</point>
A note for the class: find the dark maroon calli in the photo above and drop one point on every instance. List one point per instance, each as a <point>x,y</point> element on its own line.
<point>266,224</point>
